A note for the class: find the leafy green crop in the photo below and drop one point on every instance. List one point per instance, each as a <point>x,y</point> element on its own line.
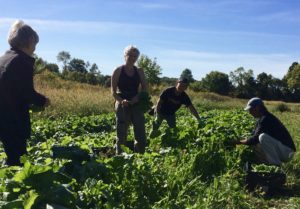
<point>189,166</point>
<point>144,102</point>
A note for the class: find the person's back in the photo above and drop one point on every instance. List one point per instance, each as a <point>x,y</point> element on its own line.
<point>17,91</point>
<point>274,127</point>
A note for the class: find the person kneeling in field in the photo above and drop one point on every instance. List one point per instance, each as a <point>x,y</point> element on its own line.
<point>168,103</point>
<point>272,141</point>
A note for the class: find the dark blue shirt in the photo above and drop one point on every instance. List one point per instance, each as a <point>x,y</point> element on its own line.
<point>272,126</point>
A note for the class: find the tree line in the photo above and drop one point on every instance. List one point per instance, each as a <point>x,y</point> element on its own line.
<point>240,83</point>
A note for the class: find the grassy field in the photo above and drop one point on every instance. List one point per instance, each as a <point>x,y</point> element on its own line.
<point>69,97</point>
<point>197,173</point>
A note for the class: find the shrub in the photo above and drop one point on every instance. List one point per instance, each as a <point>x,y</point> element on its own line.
<point>281,107</point>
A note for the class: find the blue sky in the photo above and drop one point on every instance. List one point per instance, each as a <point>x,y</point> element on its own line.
<point>262,35</point>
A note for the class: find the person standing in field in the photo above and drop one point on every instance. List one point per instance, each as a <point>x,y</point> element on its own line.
<point>17,91</point>
<point>169,102</point>
<point>273,143</point>
<point>125,83</point>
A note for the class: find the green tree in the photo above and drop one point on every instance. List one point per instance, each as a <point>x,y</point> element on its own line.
<point>91,78</point>
<point>94,69</point>
<point>187,73</point>
<point>52,67</point>
<point>217,82</point>
<point>293,77</point>
<point>198,86</point>
<point>168,81</point>
<point>268,87</point>
<point>151,68</point>
<point>77,65</point>
<point>63,57</point>
<point>39,64</point>
<point>243,82</point>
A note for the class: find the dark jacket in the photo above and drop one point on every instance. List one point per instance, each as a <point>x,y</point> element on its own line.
<point>16,94</point>
<point>272,126</point>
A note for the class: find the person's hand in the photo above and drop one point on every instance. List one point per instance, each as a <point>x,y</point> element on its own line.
<point>155,110</point>
<point>125,103</point>
<point>236,142</point>
<point>243,141</point>
<point>152,111</point>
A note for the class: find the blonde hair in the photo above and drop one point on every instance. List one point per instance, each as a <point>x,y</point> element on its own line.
<point>131,48</point>
<point>20,35</point>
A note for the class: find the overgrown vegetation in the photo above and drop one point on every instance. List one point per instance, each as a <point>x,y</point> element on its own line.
<point>239,83</point>
<point>191,166</point>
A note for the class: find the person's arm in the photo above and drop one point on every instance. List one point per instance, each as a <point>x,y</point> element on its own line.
<point>161,99</point>
<point>253,140</point>
<point>194,111</point>
<point>158,106</point>
<point>21,80</point>
<point>114,85</point>
<point>144,85</point>
<point>243,142</point>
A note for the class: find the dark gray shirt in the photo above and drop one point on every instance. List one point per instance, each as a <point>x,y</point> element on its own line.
<point>272,126</point>
<point>172,102</point>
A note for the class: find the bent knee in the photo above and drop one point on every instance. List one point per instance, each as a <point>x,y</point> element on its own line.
<point>263,138</point>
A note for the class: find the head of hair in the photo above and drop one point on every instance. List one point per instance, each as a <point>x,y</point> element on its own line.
<point>20,35</point>
<point>183,80</point>
<point>130,49</point>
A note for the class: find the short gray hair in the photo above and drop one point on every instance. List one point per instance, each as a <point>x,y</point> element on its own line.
<point>131,48</point>
<point>20,35</point>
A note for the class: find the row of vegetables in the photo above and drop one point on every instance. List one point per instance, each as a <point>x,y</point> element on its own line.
<point>71,163</point>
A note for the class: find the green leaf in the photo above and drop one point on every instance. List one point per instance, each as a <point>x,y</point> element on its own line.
<point>16,204</point>
<point>28,203</point>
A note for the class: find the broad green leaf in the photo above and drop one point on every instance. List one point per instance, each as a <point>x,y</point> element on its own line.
<point>28,203</point>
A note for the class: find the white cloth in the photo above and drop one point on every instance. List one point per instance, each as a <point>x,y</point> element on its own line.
<point>273,151</point>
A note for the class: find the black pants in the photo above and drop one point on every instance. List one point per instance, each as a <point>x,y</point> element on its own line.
<point>14,148</point>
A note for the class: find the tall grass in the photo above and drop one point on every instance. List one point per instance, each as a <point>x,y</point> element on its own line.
<point>68,97</point>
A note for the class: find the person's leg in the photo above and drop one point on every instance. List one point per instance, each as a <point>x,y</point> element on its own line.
<point>138,121</point>
<point>171,120</point>
<point>155,126</point>
<point>14,148</point>
<point>274,150</point>
<point>122,123</point>
<point>157,122</point>
<point>260,154</point>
